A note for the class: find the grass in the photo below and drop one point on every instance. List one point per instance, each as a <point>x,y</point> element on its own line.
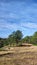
<point>35,44</point>
<point>19,56</point>
<point>1,49</point>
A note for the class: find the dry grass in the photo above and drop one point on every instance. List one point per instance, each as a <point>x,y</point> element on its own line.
<point>19,56</point>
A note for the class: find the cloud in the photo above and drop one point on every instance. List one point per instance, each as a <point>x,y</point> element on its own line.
<point>20,15</point>
<point>29,25</point>
<point>15,26</point>
<point>18,10</point>
<point>8,28</point>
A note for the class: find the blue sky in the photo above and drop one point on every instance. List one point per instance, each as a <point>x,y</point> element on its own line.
<point>18,15</point>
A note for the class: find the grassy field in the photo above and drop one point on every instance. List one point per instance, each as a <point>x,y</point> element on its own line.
<point>19,56</point>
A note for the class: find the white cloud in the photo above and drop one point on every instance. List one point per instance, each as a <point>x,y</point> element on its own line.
<point>14,26</point>
<point>6,25</point>
<point>29,25</point>
<point>18,12</point>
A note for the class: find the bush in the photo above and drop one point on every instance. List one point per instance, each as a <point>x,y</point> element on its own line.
<point>1,45</point>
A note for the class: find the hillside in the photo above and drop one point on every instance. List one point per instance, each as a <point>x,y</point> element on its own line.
<point>19,56</point>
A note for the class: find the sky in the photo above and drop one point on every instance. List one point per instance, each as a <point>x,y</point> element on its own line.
<point>18,15</point>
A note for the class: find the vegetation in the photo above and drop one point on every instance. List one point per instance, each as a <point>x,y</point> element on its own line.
<point>19,56</point>
<point>34,38</point>
<point>16,39</point>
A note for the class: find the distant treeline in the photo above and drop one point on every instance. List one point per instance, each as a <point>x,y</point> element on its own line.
<point>16,39</point>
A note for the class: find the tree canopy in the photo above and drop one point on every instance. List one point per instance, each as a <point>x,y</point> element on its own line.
<point>17,37</point>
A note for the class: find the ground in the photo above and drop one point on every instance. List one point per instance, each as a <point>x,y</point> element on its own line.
<point>19,56</point>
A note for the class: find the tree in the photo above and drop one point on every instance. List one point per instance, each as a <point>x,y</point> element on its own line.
<point>15,37</point>
<point>34,38</point>
<point>1,42</point>
<point>11,38</point>
<point>18,36</point>
<point>26,39</point>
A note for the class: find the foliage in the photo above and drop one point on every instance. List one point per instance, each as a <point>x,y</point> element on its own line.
<point>18,36</point>
<point>34,38</point>
<point>1,42</point>
<point>16,39</point>
<point>26,39</point>
<point>31,39</point>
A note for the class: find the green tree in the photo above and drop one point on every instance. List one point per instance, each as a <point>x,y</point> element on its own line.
<point>34,38</point>
<point>15,37</point>
<point>18,36</point>
<point>26,39</point>
<point>11,38</point>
